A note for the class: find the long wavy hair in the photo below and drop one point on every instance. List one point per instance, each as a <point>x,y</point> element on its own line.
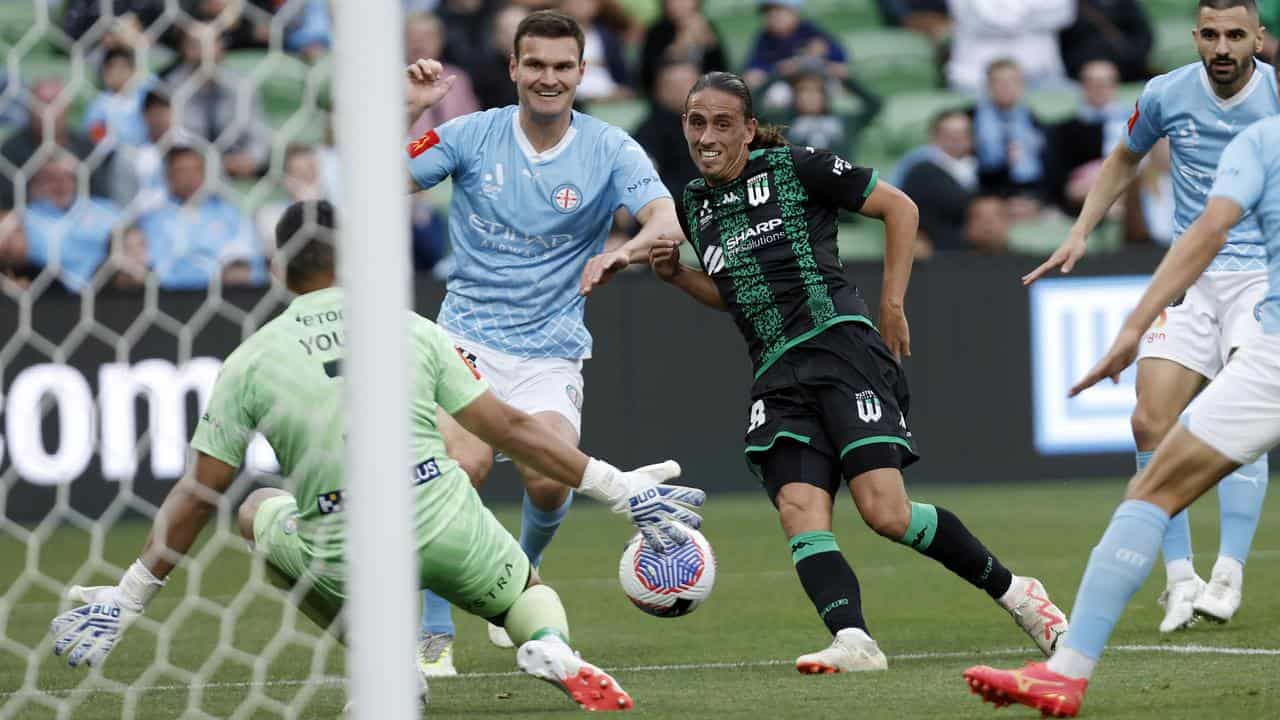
<point>767,136</point>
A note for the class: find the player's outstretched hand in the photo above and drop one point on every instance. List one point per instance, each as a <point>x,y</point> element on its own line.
<point>1121,355</point>
<point>86,634</point>
<point>1066,257</point>
<point>895,332</point>
<point>601,268</point>
<point>659,510</point>
<point>426,83</point>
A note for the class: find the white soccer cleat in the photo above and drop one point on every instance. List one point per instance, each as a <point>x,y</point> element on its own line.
<point>435,655</point>
<point>587,685</point>
<point>499,637</point>
<point>1219,600</point>
<point>852,650</point>
<point>1029,604</point>
<point>1178,600</point>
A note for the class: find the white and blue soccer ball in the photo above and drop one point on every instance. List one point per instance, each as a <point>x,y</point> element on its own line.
<point>668,584</point>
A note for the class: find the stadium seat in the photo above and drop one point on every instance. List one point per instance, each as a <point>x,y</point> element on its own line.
<point>903,123</point>
<point>892,61</point>
<point>626,114</point>
<point>1174,46</point>
<point>861,240</point>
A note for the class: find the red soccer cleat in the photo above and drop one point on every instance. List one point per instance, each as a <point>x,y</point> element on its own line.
<point>1035,686</point>
<point>587,685</point>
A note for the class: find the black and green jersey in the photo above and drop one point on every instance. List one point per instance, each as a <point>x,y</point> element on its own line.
<point>768,240</point>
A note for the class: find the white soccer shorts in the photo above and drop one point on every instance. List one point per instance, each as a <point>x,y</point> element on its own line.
<point>531,385</point>
<point>1238,414</point>
<point>1218,314</point>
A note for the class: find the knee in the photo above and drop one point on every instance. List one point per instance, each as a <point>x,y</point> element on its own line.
<point>249,510</point>
<point>476,465</point>
<point>1150,426</point>
<point>545,493</point>
<point>889,518</point>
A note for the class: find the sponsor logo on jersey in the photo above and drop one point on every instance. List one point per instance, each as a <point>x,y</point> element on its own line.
<point>758,190</point>
<point>840,166</point>
<point>869,410</point>
<point>329,503</point>
<point>575,396</point>
<point>762,234</point>
<point>566,198</point>
<point>757,418</point>
<point>705,214</point>
<point>290,524</point>
<point>470,360</point>
<point>730,198</point>
<point>713,259</point>
<point>428,140</point>
<point>642,182</point>
<point>1133,119</point>
<point>425,471</point>
<point>492,183</point>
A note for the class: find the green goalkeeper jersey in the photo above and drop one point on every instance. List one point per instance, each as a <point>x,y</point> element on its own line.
<point>285,381</point>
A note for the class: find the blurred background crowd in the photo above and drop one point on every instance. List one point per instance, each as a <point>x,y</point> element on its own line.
<point>156,141</point>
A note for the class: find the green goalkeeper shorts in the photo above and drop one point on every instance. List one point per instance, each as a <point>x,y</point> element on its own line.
<point>473,562</point>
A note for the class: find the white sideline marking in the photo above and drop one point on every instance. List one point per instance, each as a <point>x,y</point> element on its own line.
<point>951,655</point>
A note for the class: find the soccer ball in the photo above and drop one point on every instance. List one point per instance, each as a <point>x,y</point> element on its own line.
<point>668,585</point>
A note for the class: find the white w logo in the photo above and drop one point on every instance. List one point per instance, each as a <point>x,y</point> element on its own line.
<point>868,406</point>
<point>758,190</point>
<point>713,259</point>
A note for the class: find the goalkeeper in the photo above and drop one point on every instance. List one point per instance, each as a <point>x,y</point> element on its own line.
<point>286,381</point>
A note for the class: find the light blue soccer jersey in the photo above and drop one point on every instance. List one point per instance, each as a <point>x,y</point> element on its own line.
<point>1249,174</point>
<point>1182,106</point>
<point>523,224</point>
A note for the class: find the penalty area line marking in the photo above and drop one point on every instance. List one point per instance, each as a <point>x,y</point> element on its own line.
<point>679,667</point>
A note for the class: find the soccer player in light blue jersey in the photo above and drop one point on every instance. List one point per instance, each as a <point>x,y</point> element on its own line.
<point>535,188</point>
<point>1235,421</point>
<point>1200,108</point>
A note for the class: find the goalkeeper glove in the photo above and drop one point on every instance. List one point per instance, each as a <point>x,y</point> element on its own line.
<point>657,509</point>
<point>86,634</point>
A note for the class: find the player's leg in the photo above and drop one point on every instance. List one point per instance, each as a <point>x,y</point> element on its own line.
<point>546,502</point>
<point>1240,494</point>
<point>267,518</point>
<point>476,564</point>
<point>1177,356</point>
<point>435,636</point>
<point>801,483</point>
<point>935,532</point>
<point>1234,421</point>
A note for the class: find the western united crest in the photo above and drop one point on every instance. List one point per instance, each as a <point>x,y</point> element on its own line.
<point>758,190</point>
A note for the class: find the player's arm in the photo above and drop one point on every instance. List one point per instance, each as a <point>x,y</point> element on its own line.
<point>660,228</point>
<point>901,220</point>
<point>425,85</point>
<point>1185,261</point>
<point>698,285</point>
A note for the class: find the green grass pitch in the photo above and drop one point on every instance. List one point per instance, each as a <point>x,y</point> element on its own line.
<point>731,658</point>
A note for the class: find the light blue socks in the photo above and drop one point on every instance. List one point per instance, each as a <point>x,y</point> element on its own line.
<point>537,527</point>
<point>437,614</point>
<point>1117,567</point>
<point>1240,496</point>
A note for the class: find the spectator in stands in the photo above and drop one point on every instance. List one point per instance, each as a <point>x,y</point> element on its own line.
<point>606,78</point>
<point>942,179</point>
<point>15,269</point>
<point>1078,146</point>
<point>927,17</point>
<point>216,104</point>
<point>67,233</point>
<point>682,33</point>
<point>810,117</point>
<point>787,42</point>
<point>1114,30</point>
<point>138,181</point>
<point>1148,210</point>
<point>197,236</point>
<point>661,134</point>
<point>303,180</point>
<point>491,81</point>
<point>986,228</point>
<point>12,115</point>
<point>307,25</point>
<point>467,32</point>
<point>1269,17</point>
<point>1009,140</point>
<point>1026,32</point>
<point>126,28</point>
<point>424,38</point>
<point>115,113</point>
<point>308,33</point>
<point>47,123</point>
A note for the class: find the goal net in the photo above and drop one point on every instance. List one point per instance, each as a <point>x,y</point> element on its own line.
<point>144,159</point>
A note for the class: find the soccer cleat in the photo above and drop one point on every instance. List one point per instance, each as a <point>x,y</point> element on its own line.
<point>1218,600</point>
<point>852,650</point>
<point>499,637</point>
<point>1035,686</point>
<point>587,685</point>
<point>1178,600</point>
<point>1035,613</point>
<point>435,655</point>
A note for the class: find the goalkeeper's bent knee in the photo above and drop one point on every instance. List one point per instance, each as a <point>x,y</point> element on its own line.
<point>537,614</point>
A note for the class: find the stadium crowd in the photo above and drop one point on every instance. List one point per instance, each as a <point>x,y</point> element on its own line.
<point>164,162</point>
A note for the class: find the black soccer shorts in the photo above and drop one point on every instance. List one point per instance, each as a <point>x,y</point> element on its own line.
<point>840,395</point>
